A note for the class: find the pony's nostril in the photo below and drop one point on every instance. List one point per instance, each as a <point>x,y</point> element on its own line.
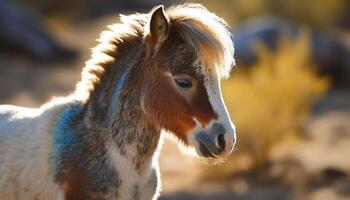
<point>221,141</point>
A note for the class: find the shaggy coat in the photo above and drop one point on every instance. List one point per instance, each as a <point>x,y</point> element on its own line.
<point>101,141</point>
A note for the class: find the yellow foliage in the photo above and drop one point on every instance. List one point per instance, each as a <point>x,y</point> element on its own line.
<point>322,13</point>
<point>272,100</point>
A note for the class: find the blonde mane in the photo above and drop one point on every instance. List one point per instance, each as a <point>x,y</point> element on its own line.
<point>205,32</point>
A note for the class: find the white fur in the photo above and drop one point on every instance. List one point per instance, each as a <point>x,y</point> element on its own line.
<point>25,145</point>
<point>130,177</point>
<point>217,102</point>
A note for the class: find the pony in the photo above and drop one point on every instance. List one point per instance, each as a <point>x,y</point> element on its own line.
<point>150,73</point>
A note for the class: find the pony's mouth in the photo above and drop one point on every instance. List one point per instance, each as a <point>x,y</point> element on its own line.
<point>205,151</point>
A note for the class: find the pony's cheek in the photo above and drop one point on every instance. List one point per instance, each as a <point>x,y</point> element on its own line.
<point>166,109</point>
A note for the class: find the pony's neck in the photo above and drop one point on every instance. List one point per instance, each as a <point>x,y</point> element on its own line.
<point>114,107</point>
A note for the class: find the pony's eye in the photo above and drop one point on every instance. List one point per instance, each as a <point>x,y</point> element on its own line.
<point>184,82</point>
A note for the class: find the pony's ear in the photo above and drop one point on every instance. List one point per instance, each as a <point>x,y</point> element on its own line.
<point>158,26</point>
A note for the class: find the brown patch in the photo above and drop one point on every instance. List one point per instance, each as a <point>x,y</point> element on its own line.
<point>201,108</point>
<point>72,185</point>
<point>168,109</point>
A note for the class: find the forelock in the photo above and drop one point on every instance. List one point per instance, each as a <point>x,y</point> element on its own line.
<point>207,34</point>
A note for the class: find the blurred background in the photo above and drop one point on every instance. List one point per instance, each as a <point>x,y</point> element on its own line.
<point>289,94</point>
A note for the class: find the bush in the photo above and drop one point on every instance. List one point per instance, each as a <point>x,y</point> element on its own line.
<point>270,102</point>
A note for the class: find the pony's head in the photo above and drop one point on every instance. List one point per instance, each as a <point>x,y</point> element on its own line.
<point>189,50</point>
